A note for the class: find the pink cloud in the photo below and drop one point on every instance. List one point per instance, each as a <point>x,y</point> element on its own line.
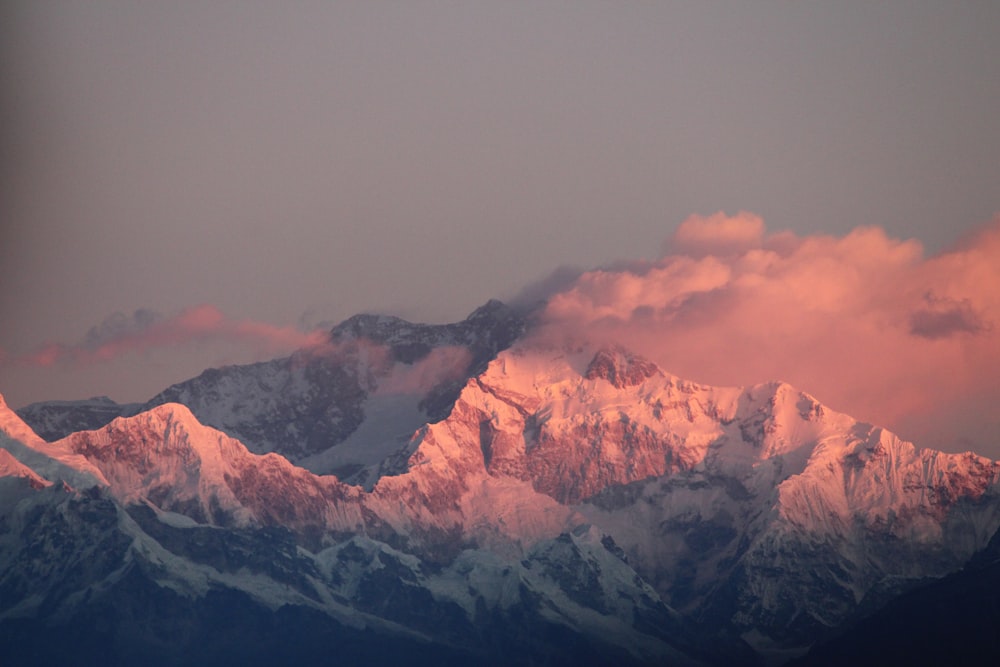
<point>717,235</point>
<point>864,322</point>
<point>119,335</point>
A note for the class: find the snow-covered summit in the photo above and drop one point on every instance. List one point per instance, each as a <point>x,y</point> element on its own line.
<point>56,419</point>
<point>166,456</point>
<point>719,495</point>
<point>350,406</point>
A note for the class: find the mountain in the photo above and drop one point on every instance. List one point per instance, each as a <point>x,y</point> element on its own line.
<point>349,406</point>
<point>953,620</point>
<point>179,521</point>
<point>57,419</point>
<point>497,499</point>
<point>758,510</point>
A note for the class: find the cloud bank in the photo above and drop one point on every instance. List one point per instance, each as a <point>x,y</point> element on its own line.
<point>864,322</point>
<point>144,330</point>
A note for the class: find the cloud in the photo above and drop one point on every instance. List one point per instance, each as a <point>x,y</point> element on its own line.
<point>865,322</point>
<point>143,330</point>
<point>538,292</point>
<point>382,368</point>
<point>118,325</point>
<point>442,364</point>
<point>313,318</point>
<point>717,235</point>
<point>946,317</point>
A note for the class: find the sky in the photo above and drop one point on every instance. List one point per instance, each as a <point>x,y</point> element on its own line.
<point>188,184</point>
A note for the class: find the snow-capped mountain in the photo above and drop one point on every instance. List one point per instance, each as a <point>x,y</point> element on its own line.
<point>757,508</point>
<point>349,406</point>
<point>496,501</point>
<point>56,419</point>
<point>176,513</point>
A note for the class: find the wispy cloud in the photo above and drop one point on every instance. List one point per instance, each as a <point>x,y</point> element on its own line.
<point>385,373</point>
<point>442,364</point>
<point>120,334</point>
<point>865,322</point>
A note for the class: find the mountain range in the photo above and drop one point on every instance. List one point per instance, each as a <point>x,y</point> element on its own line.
<point>470,492</point>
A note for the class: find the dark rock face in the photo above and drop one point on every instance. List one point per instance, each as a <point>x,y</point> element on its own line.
<point>53,420</point>
<point>295,406</point>
<point>490,329</point>
<point>268,551</point>
<point>137,622</point>
<point>122,586</point>
<point>620,367</point>
<point>953,621</point>
<point>313,400</point>
<point>56,543</point>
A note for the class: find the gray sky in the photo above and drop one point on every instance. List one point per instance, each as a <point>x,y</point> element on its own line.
<point>296,162</point>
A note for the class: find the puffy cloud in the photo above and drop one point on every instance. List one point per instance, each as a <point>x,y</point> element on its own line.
<point>120,334</point>
<point>717,234</point>
<point>865,322</point>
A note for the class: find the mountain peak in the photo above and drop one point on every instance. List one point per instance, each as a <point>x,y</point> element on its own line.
<point>172,411</point>
<point>494,309</point>
<point>620,367</point>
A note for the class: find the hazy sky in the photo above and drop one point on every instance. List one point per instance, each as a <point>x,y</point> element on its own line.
<point>228,175</point>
